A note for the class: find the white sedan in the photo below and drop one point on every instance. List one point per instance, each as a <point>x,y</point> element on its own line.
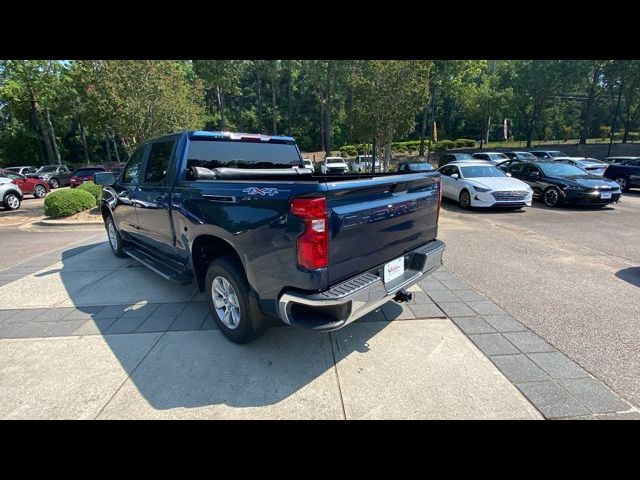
<point>476,184</point>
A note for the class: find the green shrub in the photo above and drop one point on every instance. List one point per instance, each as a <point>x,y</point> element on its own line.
<point>348,150</point>
<point>465,143</point>
<point>63,203</point>
<point>93,189</point>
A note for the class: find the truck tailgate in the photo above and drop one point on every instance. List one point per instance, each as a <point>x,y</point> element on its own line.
<point>373,221</point>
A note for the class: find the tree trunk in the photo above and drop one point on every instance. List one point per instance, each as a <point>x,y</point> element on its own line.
<point>54,142</point>
<point>106,142</point>
<point>423,131</point>
<point>36,127</point>
<point>588,111</point>
<point>220,98</point>
<point>350,114</point>
<point>322,144</point>
<point>46,138</point>
<point>488,129</point>
<point>327,111</point>
<point>85,147</point>
<point>259,84</point>
<point>240,122</point>
<point>274,106</point>
<point>115,148</point>
<point>374,148</point>
<point>289,101</point>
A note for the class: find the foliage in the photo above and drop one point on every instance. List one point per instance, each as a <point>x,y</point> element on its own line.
<point>63,203</point>
<point>93,189</point>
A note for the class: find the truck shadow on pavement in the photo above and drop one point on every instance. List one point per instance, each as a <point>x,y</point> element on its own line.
<point>630,275</point>
<point>165,340</point>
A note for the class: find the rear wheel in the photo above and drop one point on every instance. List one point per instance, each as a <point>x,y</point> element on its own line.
<point>465,199</point>
<point>551,197</point>
<point>115,239</point>
<point>11,201</point>
<point>623,182</point>
<point>237,317</point>
<point>39,191</point>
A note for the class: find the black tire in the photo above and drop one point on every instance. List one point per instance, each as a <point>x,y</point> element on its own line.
<point>551,197</point>
<point>115,239</point>
<point>464,199</point>
<point>54,183</point>
<point>251,323</point>
<point>39,191</point>
<point>624,183</point>
<point>11,201</point>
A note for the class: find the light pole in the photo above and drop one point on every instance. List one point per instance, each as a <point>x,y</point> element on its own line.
<point>615,117</point>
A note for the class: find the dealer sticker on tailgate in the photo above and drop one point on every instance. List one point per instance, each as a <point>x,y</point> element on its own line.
<point>393,269</point>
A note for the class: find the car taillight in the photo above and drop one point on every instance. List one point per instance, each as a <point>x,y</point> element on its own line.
<point>313,243</point>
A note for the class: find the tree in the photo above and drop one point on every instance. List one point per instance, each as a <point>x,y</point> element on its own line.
<point>220,78</point>
<point>139,99</point>
<point>625,74</point>
<point>592,73</point>
<point>388,94</point>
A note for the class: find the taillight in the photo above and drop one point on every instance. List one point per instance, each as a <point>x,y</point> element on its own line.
<point>313,243</point>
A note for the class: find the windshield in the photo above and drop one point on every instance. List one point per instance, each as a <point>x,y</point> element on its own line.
<point>463,156</point>
<point>592,162</point>
<point>556,153</point>
<point>85,172</point>
<point>526,155</point>
<point>498,156</point>
<point>560,169</point>
<point>420,167</point>
<point>335,160</point>
<point>48,168</point>
<point>479,171</point>
<point>222,153</point>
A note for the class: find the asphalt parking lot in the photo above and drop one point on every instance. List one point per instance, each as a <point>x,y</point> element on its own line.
<point>570,274</point>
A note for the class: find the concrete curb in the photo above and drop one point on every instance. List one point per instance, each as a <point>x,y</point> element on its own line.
<point>63,223</point>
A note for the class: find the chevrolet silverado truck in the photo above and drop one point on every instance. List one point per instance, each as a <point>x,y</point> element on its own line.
<point>266,238</point>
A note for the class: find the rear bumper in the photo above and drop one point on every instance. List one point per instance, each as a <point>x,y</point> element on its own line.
<point>357,296</point>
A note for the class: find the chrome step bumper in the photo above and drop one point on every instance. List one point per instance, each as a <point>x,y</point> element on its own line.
<point>349,300</point>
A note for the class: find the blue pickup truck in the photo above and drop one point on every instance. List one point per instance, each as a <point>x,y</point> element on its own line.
<point>267,238</point>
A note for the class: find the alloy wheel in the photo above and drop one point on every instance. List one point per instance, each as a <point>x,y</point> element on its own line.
<point>551,197</point>
<point>112,234</point>
<point>622,182</point>
<point>225,301</point>
<point>12,201</point>
<point>40,191</point>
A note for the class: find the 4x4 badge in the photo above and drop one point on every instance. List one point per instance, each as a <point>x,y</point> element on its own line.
<point>261,191</point>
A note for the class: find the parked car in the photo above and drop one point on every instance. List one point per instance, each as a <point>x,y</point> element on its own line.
<point>23,170</point>
<point>559,183</point>
<point>453,157</point>
<point>84,174</point>
<point>362,164</point>
<point>334,165</point>
<point>528,156</point>
<point>494,157</point>
<point>56,175</point>
<point>268,239</point>
<point>618,160</point>
<point>410,167</point>
<point>478,184</point>
<point>31,186</point>
<point>10,194</point>
<point>548,154</point>
<point>626,174</point>
<point>308,163</point>
<point>589,165</point>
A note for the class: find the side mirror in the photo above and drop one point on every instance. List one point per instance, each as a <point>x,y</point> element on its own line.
<point>105,178</point>
<point>454,175</point>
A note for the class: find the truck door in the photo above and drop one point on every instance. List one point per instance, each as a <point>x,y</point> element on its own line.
<point>152,199</point>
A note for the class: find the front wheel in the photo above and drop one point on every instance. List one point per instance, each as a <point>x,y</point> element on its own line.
<point>115,239</point>
<point>39,191</point>
<point>54,183</point>
<point>11,202</point>
<point>624,184</point>
<point>465,199</point>
<point>551,197</point>
<point>229,299</point>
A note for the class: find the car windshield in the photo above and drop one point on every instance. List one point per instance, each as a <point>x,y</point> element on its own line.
<point>556,153</point>
<point>420,167</point>
<point>560,170</point>
<point>463,156</point>
<point>591,162</point>
<point>526,155</point>
<point>498,156</point>
<point>335,160</point>
<point>14,169</point>
<point>48,168</point>
<point>478,171</point>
